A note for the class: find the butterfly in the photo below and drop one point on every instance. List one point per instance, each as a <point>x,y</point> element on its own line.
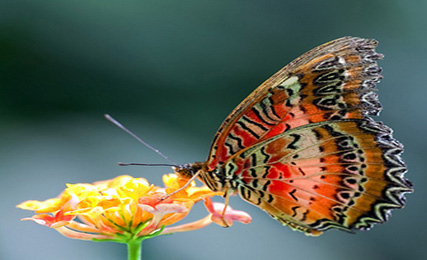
<point>303,148</point>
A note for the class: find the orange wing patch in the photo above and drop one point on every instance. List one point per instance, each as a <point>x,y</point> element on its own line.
<point>342,174</point>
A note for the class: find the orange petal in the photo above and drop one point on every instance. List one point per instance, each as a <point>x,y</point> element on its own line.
<point>51,221</point>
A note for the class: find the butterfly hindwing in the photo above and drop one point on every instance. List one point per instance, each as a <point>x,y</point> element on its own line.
<point>343,174</point>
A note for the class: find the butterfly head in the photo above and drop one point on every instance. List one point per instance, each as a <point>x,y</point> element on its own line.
<point>187,171</point>
<point>211,178</point>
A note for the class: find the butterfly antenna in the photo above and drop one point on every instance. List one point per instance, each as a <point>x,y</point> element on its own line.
<point>114,121</point>
<point>147,164</point>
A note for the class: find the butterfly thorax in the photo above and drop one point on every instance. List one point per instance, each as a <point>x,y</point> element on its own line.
<point>212,178</point>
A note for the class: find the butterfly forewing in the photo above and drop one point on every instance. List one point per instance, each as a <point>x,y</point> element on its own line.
<point>332,81</point>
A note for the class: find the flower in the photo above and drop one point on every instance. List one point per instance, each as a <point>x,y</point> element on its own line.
<point>226,218</point>
<point>127,209</point>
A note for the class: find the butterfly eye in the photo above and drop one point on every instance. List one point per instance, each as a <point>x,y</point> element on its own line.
<point>187,171</point>
<point>183,171</point>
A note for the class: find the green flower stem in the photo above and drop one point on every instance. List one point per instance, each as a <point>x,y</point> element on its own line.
<point>133,241</point>
<point>134,249</point>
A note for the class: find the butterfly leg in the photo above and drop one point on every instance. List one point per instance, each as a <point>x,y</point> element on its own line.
<point>183,187</point>
<point>227,199</point>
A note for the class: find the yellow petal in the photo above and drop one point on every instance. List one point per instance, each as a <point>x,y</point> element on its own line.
<point>47,206</point>
<point>134,189</point>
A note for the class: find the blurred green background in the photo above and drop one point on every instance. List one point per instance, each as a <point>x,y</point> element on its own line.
<point>172,71</point>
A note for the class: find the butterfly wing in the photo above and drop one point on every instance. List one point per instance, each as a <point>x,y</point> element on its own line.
<point>344,174</point>
<point>302,148</point>
<point>335,80</point>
